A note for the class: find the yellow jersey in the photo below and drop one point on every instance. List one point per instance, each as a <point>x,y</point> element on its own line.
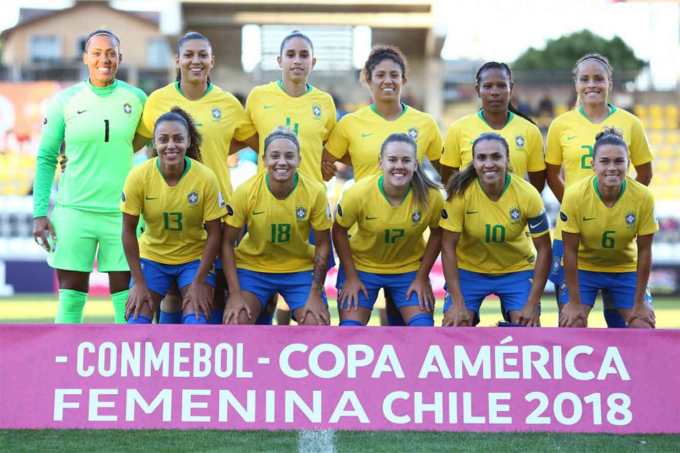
<point>362,133</point>
<point>571,137</point>
<point>173,215</point>
<point>311,116</point>
<point>277,240</point>
<point>494,238</point>
<point>608,235</point>
<point>524,140</point>
<point>389,239</point>
<point>218,116</point>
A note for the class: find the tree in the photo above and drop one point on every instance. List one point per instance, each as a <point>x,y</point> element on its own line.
<point>560,54</point>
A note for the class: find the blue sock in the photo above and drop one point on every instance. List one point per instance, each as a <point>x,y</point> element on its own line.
<point>190,318</point>
<point>266,318</point>
<point>614,318</point>
<point>350,323</point>
<point>141,319</point>
<point>421,320</point>
<point>216,316</point>
<point>395,319</point>
<point>168,317</point>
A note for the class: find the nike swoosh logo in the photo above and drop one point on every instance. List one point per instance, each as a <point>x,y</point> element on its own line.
<point>81,111</point>
<point>585,219</point>
<point>151,198</point>
<point>364,135</point>
<point>533,227</point>
<point>571,137</point>
<point>267,107</point>
<point>370,218</point>
<point>471,212</point>
<point>257,212</point>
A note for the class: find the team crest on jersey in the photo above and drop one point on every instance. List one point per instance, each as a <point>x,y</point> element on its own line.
<point>416,217</point>
<point>519,141</point>
<point>300,213</point>
<point>127,108</point>
<point>316,111</point>
<point>192,198</point>
<point>630,219</point>
<point>216,113</point>
<point>413,133</point>
<point>515,214</point>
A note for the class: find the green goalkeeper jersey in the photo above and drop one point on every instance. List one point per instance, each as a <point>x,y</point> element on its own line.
<point>97,127</point>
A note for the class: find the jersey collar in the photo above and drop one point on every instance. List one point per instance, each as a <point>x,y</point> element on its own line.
<point>506,184</point>
<point>187,166</point>
<point>103,91</point>
<point>207,90</point>
<point>599,195</point>
<point>295,183</point>
<point>404,107</point>
<point>480,114</point>
<point>381,187</point>
<point>610,107</point>
<point>280,84</point>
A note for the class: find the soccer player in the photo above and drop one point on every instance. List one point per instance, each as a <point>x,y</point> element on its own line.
<point>494,87</point>
<point>182,206</point>
<point>219,117</point>
<point>485,247</point>
<point>391,210</point>
<point>357,138</point>
<point>95,121</point>
<point>570,149</point>
<point>607,223</point>
<point>280,206</point>
<point>294,103</point>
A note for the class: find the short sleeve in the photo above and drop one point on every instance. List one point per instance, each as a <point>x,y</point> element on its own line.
<point>434,150</point>
<point>348,209</point>
<point>338,142</point>
<point>132,198</point>
<point>332,120</point>
<point>451,155</point>
<point>648,222</point>
<point>437,205</point>
<point>452,214</point>
<point>640,153</point>
<point>214,206</point>
<point>535,159</point>
<point>320,217</point>
<point>569,212</point>
<point>146,123</point>
<point>237,208</point>
<point>243,125</point>
<point>553,153</point>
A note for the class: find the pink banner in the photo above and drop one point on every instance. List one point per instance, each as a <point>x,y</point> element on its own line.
<point>474,379</point>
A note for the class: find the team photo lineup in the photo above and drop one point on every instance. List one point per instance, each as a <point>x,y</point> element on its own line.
<point>180,244</point>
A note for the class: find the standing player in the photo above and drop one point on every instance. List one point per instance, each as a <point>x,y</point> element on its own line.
<point>604,219</point>
<point>485,248</point>
<point>358,136</point>
<point>494,87</point>
<point>96,121</point>
<point>219,117</point>
<point>570,148</point>
<point>308,111</point>
<point>182,207</point>
<point>392,211</point>
<point>280,207</point>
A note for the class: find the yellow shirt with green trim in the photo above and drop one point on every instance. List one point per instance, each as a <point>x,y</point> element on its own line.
<point>277,240</point>
<point>311,116</point>
<point>494,238</point>
<point>362,133</point>
<point>607,242</point>
<point>174,215</point>
<point>218,116</point>
<point>523,137</point>
<point>389,239</point>
<point>571,137</point>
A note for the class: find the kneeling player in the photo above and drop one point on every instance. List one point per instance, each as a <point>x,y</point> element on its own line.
<point>485,246</point>
<point>182,206</point>
<point>279,206</point>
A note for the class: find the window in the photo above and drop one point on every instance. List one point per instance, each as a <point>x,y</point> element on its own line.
<point>45,48</point>
<point>158,53</point>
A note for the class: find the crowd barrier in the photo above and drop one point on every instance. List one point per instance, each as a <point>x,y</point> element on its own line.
<point>290,378</point>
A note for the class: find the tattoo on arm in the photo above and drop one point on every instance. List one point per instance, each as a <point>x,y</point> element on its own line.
<point>320,268</point>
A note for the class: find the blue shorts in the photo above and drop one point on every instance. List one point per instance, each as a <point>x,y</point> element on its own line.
<point>160,277</point>
<point>395,284</point>
<point>618,289</point>
<point>512,288</point>
<point>293,286</point>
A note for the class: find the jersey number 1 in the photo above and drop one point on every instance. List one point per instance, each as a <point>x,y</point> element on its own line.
<point>106,131</point>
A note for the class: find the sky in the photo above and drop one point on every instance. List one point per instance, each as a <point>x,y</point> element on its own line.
<point>502,29</point>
